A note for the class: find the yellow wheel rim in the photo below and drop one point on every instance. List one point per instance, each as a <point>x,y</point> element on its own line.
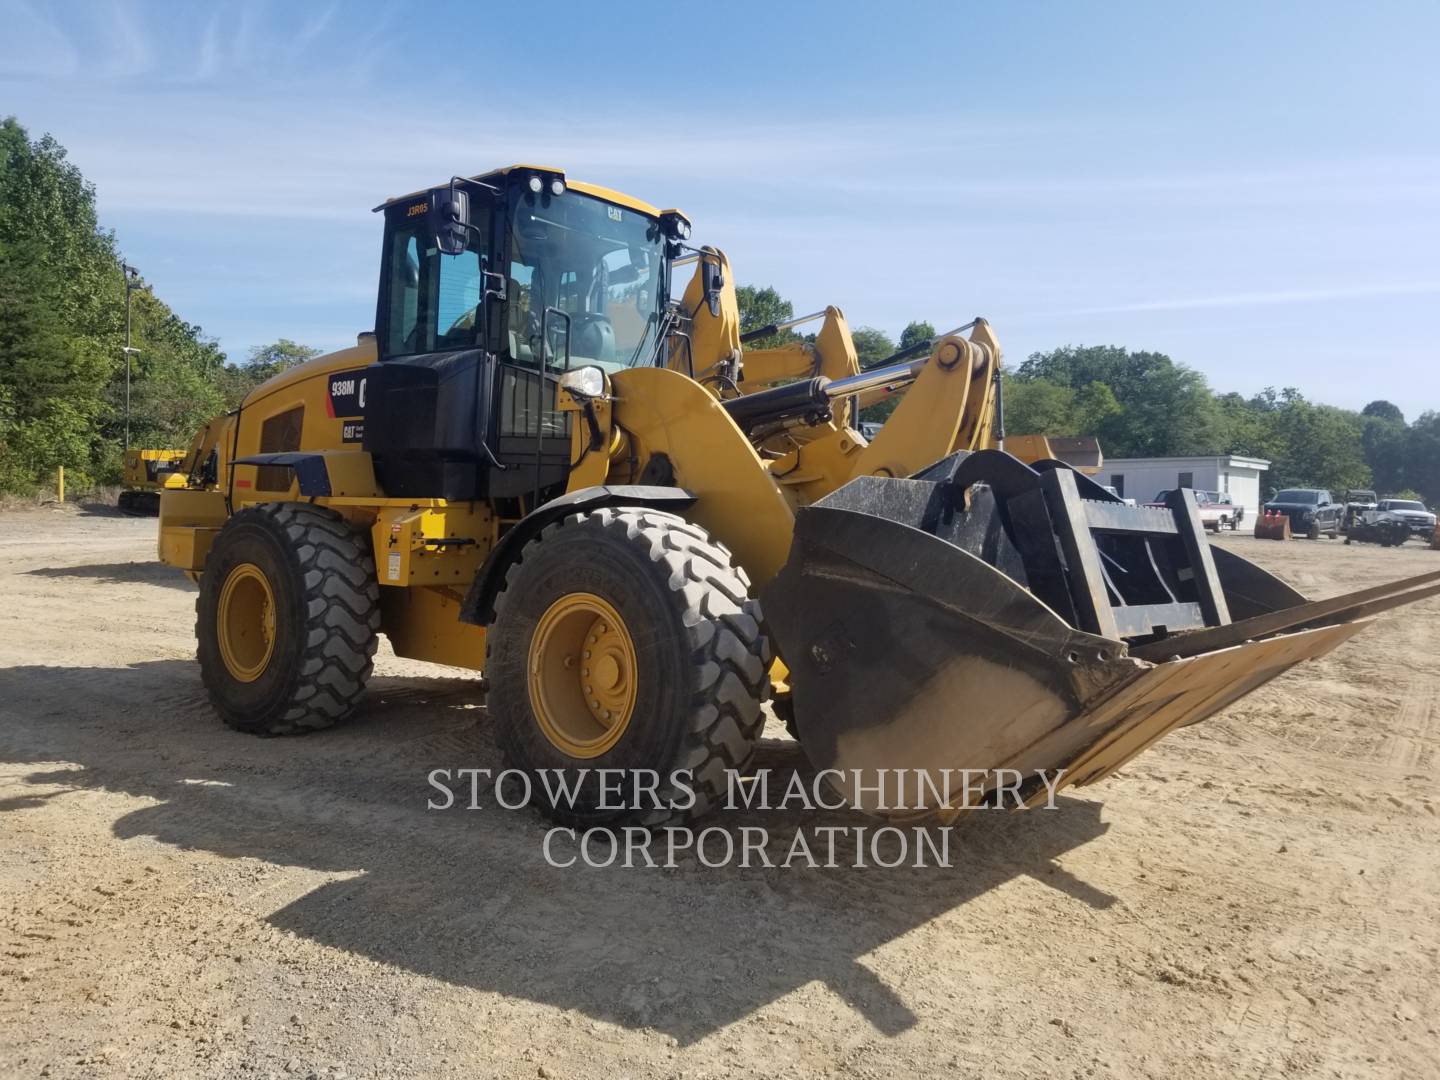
<point>246,622</point>
<point>582,675</point>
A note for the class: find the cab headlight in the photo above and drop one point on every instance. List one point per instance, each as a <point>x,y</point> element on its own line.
<point>587,381</point>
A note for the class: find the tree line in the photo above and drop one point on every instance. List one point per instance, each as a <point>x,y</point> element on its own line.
<point>62,368</point>
<point>62,334</point>
<point>1144,404</point>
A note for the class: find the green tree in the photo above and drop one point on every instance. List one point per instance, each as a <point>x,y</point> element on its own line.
<point>915,333</point>
<point>267,360</point>
<point>762,306</point>
<point>1095,406</point>
<point>1386,445</point>
<point>234,381</point>
<point>1037,406</point>
<point>1316,445</point>
<point>51,382</point>
<point>175,378</point>
<point>1384,410</point>
<point>871,345</point>
<point>1249,428</point>
<point>47,206</point>
<point>62,372</point>
<point>1165,408</point>
<point>1422,456</point>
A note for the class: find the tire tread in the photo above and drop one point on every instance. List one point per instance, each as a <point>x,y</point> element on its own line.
<point>730,651</point>
<point>341,620</point>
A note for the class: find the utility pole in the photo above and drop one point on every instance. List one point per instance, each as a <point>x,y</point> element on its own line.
<point>132,282</point>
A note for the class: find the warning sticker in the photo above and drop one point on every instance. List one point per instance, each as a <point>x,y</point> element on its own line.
<point>392,572</point>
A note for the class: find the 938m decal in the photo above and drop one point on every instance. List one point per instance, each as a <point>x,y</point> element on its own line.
<point>345,396</point>
<point>345,400</point>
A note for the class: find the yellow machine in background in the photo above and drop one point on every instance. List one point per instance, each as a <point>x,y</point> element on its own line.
<point>541,466</point>
<point>146,474</point>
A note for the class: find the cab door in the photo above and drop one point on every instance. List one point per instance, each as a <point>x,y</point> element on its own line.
<point>429,400</point>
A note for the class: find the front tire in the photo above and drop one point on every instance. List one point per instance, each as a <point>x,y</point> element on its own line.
<point>625,639</point>
<point>287,619</point>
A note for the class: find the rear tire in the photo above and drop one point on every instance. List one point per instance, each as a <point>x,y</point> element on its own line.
<point>695,665</point>
<point>287,619</point>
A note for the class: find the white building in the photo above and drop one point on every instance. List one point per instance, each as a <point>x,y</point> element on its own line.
<point>1142,479</point>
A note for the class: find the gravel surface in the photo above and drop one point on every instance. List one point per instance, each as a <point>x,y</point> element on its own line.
<point>1255,896</point>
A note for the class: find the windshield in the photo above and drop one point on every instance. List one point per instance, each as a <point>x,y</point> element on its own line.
<point>1298,495</point>
<point>1404,504</point>
<point>599,264</point>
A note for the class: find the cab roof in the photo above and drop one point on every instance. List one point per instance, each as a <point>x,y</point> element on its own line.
<point>619,198</point>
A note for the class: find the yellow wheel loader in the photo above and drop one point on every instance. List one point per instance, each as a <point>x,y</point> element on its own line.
<point>146,474</point>
<point>541,466</point>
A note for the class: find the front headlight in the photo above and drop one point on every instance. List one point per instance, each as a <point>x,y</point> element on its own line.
<point>1309,515</point>
<point>587,381</point>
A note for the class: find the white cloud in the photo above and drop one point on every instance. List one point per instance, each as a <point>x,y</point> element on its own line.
<point>1259,299</point>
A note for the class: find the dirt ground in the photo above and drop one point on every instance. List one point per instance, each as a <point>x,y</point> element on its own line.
<point>1256,896</point>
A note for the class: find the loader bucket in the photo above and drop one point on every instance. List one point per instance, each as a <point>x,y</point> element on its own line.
<point>988,615</point>
<point>1272,526</point>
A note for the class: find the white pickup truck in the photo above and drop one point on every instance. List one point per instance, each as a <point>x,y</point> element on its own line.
<point>1216,510</point>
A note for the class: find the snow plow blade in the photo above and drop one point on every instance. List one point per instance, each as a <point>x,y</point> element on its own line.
<point>987,615</point>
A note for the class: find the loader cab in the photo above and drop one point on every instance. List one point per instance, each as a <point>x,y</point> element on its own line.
<point>490,290</point>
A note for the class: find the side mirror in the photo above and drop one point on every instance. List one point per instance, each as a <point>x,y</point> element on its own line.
<point>713,278</point>
<point>450,219</point>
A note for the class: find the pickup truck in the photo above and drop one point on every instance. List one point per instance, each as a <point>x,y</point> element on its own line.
<point>1358,500</point>
<point>1232,514</point>
<point>1311,511</point>
<point>1213,515</point>
<point>1413,513</point>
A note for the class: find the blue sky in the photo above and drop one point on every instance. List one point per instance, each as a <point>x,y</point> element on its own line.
<point>1253,189</point>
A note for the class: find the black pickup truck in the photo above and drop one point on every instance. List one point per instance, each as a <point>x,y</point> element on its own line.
<point>1311,511</point>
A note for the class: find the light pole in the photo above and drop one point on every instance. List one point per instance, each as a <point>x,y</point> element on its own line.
<point>132,282</point>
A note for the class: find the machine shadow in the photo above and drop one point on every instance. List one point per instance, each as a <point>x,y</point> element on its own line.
<point>92,508</point>
<point>467,896</point>
<point>147,573</point>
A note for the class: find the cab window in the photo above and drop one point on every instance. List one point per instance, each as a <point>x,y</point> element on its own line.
<point>434,299</point>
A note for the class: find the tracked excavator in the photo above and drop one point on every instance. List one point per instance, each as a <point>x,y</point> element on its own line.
<point>541,466</point>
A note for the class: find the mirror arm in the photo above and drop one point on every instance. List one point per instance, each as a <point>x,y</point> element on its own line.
<point>488,189</point>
